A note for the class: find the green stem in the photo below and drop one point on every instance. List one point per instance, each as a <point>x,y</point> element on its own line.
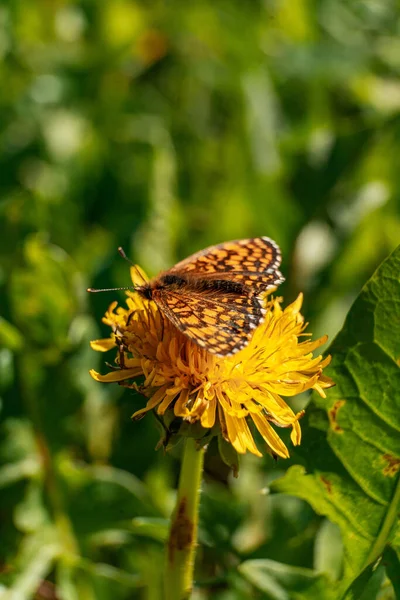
<point>387,526</point>
<point>181,546</point>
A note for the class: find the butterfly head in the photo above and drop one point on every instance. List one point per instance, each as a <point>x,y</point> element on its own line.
<point>145,290</point>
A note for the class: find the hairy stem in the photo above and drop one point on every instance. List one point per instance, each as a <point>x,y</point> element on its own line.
<point>181,545</point>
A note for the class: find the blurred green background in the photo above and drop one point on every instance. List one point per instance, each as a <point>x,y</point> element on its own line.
<point>165,127</point>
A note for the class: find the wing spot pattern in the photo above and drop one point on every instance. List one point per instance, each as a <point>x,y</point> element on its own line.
<point>215,296</point>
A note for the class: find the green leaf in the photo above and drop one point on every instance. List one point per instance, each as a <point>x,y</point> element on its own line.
<point>109,572</point>
<point>328,550</point>
<point>154,528</point>
<point>34,561</point>
<point>284,582</point>
<point>47,285</point>
<point>351,442</point>
<point>31,515</point>
<point>10,336</point>
<point>18,452</point>
<point>117,495</point>
<point>228,455</point>
<point>366,586</point>
<point>87,579</point>
<point>391,560</point>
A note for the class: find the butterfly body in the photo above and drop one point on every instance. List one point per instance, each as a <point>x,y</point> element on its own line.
<point>187,283</point>
<point>216,296</point>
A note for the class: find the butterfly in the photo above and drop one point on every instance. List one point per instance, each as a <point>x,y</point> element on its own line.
<point>216,296</point>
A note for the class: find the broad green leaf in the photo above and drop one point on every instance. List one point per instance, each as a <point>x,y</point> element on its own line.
<point>284,582</point>
<point>351,442</point>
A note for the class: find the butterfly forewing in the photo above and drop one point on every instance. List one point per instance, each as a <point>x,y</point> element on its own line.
<point>253,262</point>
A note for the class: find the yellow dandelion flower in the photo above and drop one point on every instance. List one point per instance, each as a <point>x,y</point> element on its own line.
<point>233,392</point>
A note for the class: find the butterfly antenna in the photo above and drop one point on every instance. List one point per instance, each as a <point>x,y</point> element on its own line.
<point>122,253</point>
<point>93,290</point>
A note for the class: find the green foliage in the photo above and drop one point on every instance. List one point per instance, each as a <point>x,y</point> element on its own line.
<point>280,581</point>
<point>166,127</point>
<point>352,455</point>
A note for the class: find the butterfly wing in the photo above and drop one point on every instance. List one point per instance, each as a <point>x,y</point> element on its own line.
<point>253,262</point>
<point>220,323</point>
<point>214,297</point>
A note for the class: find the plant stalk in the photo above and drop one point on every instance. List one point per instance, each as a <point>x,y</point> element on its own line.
<point>181,545</point>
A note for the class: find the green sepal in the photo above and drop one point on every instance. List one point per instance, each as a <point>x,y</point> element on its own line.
<point>228,455</point>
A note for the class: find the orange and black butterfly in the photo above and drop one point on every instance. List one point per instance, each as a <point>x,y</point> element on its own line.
<point>215,297</point>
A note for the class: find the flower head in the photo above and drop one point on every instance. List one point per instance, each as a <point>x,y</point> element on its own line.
<point>230,395</point>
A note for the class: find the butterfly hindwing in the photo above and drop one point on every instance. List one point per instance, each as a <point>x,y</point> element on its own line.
<point>220,323</point>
